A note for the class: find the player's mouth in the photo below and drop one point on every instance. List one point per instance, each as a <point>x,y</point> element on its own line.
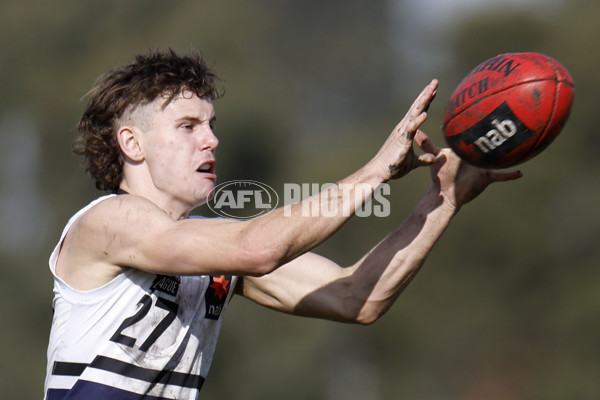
<point>207,168</point>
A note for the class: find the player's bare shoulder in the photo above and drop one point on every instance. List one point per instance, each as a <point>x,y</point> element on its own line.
<point>99,242</point>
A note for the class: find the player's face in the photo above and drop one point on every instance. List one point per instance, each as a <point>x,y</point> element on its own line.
<point>179,151</point>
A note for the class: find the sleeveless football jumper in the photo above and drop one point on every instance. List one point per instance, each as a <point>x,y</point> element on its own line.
<point>140,336</point>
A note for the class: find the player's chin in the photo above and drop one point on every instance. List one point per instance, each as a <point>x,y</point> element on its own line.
<point>206,189</point>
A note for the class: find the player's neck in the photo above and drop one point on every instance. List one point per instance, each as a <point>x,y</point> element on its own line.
<point>169,204</point>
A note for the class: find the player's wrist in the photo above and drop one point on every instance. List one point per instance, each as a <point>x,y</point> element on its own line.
<point>376,172</point>
<point>442,200</point>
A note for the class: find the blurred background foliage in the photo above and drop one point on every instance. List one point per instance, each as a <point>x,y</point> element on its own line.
<point>508,304</point>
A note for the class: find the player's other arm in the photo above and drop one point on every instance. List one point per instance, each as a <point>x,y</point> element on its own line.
<point>317,287</point>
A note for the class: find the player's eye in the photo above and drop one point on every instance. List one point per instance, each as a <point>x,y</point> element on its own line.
<point>187,126</point>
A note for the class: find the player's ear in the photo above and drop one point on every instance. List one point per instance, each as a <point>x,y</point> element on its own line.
<point>129,144</point>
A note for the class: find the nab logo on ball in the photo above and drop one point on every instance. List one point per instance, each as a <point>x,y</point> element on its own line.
<point>494,138</point>
<point>242,199</point>
<point>490,140</point>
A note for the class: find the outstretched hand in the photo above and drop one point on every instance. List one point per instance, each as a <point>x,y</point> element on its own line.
<point>456,180</point>
<point>397,157</point>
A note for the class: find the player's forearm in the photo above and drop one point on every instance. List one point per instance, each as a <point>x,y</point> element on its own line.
<point>296,228</point>
<point>382,274</point>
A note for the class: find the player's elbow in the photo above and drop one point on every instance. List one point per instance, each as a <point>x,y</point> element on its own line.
<point>260,254</point>
<point>371,312</point>
<point>353,311</point>
<point>357,307</point>
<point>258,264</point>
<point>258,260</point>
<point>367,318</point>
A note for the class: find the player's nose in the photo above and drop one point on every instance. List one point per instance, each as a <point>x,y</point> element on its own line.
<point>209,141</point>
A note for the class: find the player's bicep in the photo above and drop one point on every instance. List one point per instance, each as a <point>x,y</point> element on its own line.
<point>310,285</point>
<point>132,232</point>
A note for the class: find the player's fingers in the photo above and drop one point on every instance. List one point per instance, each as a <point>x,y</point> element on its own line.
<point>421,103</point>
<point>426,159</point>
<point>425,97</point>
<point>425,143</point>
<point>417,114</point>
<point>503,176</point>
<point>415,123</point>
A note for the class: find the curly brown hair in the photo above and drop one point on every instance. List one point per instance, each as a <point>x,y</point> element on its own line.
<point>124,88</point>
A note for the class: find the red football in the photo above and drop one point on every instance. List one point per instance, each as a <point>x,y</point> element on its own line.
<point>508,109</point>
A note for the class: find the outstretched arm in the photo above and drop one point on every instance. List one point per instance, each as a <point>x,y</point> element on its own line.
<point>315,286</point>
<point>133,232</point>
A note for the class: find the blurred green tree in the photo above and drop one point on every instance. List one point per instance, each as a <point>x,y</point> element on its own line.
<point>507,306</point>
